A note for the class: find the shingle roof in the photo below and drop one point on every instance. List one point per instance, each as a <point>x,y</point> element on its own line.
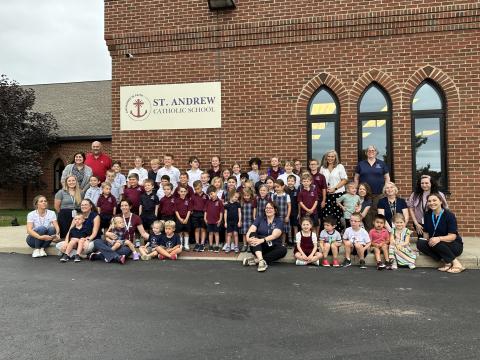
<point>81,108</point>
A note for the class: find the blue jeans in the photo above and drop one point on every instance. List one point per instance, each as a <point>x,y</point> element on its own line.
<point>37,243</point>
<point>106,252</point>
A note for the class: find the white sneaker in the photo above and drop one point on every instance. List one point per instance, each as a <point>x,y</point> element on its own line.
<point>300,262</point>
<point>262,266</point>
<point>42,252</point>
<point>186,246</point>
<point>36,253</point>
<point>317,263</point>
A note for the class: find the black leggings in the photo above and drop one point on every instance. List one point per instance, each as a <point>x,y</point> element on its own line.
<point>270,253</point>
<point>446,251</point>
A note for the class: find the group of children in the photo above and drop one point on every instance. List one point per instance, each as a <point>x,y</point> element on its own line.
<point>224,204</point>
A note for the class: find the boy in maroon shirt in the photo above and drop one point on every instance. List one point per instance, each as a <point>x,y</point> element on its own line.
<point>274,170</point>
<point>133,192</point>
<point>308,200</point>
<point>199,199</point>
<point>183,181</point>
<point>183,209</point>
<point>213,218</point>
<point>321,184</point>
<point>167,204</point>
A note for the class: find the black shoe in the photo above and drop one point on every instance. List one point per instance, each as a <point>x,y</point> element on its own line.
<point>93,256</point>
<point>216,249</point>
<point>346,262</point>
<point>362,264</point>
<point>77,258</point>
<point>64,258</point>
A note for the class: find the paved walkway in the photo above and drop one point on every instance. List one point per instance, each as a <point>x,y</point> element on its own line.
<point>12,240</point>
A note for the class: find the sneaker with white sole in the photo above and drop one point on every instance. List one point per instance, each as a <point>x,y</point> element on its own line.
<point>43,253</point>
<point>316,263</point>
<point>77,258</point>
<point>36,253</point>
<point>262,266</point>
<point>300,262</point>
<point>64,258</point>
<point>249,261</point>
<point>186,246</point>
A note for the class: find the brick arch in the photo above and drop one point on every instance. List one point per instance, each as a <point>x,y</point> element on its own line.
<point>444,82</point>
<point>322,79</point>
<point>380,77</point>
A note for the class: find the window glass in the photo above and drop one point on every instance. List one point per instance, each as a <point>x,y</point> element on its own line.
<point>373,101</point>
<point>426,98</point>
<point>374,132</point>
<point>322,138</point>
<point>323,104</point>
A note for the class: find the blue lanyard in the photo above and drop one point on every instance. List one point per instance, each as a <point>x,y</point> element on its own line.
<point>435,223</point>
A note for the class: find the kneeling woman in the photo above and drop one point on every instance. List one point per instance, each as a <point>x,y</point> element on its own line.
<point>265,238</point>
<point>442,241</point>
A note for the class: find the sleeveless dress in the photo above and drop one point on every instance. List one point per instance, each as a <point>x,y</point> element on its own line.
<point>405,255</point>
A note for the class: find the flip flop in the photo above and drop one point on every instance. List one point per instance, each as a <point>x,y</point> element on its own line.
<point>445,268</point>
<point>455,270</point>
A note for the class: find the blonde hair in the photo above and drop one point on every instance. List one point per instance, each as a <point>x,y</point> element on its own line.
<point>78,195</point>
<point>170,224</point>
<point>106,184</point>
<point>390,183</point>
<point>397,217</point>
<point>155,161</point>
<point>160,223</point>
<point>325,162</point>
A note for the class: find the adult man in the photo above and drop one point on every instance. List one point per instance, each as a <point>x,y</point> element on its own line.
<point>98,161</point>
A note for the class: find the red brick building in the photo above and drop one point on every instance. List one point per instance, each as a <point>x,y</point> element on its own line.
<point>300,77</point>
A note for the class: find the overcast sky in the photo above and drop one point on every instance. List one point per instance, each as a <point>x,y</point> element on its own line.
<point>50,41</point>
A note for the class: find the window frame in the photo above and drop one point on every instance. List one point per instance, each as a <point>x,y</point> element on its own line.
<point>58,167</point>
<point>313,119</point>
<point>434,113</point>
<point>377,115</point>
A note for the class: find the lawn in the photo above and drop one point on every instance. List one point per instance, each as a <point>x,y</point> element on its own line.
<point>6,216</point>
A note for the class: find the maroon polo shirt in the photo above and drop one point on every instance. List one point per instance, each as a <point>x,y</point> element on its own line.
<point>167,206</point>
<point>134,195</point>
<point>308,198</point>
<point>183,206</point>
<point>320,183</point>
<point>199,201</point>
<point>213,209</point>
<point>106,204</point>
<point>99,165</point>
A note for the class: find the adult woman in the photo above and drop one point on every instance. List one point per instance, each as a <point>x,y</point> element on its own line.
<point>417,202</point>
<point>391,204</point>
<point>133,224</point>
<point>265,238</point>
<point>336,178</point>
<point>374,172</point>
<point>42,227</point>
<point>67,200</point>
<point>92,225</point>
<point>78,169</point>
<point>442,241</point>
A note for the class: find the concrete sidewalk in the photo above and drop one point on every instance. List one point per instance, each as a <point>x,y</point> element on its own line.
<point>12,240</point>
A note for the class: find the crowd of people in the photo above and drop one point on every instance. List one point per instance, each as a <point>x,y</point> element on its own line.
<point>101,214</point>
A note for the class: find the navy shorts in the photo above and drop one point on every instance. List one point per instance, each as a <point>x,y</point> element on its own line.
<point>198,220</point>
<point>294,220</point>
<point>213,228</point>
<point>147,220</point>
<point>232,227</point>
<point>354,252</point>
<point>168,217</point>
<point>179,227</point>
<point>105,220</point>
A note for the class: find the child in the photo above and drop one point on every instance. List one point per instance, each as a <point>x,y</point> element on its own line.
<point>133,192</point>
<point>168,169</point>
<point>262,199</point>
<point>218,184</point>
<point>170,245</point>
<point>236,172</point>
<point>355,237</point>
<point>194,173</point>
<point>292,191</point>
<point>152,173</point>
<point>149,251</point>
<point>399,250</point>
<point>215,169</point>
<point>75,236</point>
<point>270,182</point>
<point>330,239</point>
<point>205,179</point>
<point>282,199</point>
<point>106,206</point>
<point>199,199</point>
<point>308,200</point>
<point>320,184</point>
<point>243,180</point>
<point>297,167</point>
<point>167,204</point>
<point>275,168</point>
<point>184,182</point>
<point>139,170</point>
<point>183,209</point>
<point>226,173</point>
<point>289,172</point>
<point>253,174</point>
<point>365,194</point>
<point>248,184</point>
<point>213,218</point>
<point>306,250</point>
<point>263,177</point>
<point>120,230</point>
<point>115,189</point>
<point>120,179</point>
<point>94,191</point>
<point>233,221</point>
<point>165,180</point>
<point>348,202</point>
<point>380,238</point>
<point>149,204</point>
<point>231,188</point>
<point>249,213</point>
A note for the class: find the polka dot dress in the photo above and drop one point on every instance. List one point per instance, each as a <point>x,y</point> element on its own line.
<point>332,209</point>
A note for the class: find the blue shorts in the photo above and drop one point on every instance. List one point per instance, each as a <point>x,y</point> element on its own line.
<point>232,227</point>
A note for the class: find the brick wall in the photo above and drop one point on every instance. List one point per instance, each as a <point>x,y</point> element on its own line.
<point>271,56</point>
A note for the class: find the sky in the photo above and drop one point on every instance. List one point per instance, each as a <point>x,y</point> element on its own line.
<point>53,41</point>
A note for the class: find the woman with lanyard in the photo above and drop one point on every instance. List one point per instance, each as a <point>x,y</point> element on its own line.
<point>42,227</point>
<point>391,204</point>
<point>78,169</point>
<point>265,238</point>
<point>417,202</point>
<point>441,239</point>
<point>67,201</point>
<point>133,223</point>
<point>336,178</point>
<point>92,225</point>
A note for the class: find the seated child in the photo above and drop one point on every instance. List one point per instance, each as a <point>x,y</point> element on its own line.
<point>356,238</point>
<point>380,239</point>
<point>170,245</point>
<point>330,239</point>
<point>306,250</point>
<point>75,236</point>
<point>149,251</point>
<point>399,251</point>
<point>119,228</point>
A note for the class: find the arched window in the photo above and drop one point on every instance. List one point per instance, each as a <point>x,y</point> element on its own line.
<point>428,133</point>
<point>323,123</point>
<point>375,123</point>
<point>58,167</point>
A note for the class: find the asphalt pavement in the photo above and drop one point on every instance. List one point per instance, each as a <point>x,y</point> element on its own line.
<point>221,310</point>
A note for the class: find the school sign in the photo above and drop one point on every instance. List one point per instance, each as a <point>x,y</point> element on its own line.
<point>171,106</point>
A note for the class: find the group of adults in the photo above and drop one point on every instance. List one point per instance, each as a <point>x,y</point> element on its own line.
<point>434,224</point>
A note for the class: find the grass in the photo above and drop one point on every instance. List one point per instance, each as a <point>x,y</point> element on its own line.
<point>6,216</point>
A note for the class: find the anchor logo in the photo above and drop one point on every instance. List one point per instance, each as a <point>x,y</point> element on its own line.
<point>138,107</point>
<point>138,104</point>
